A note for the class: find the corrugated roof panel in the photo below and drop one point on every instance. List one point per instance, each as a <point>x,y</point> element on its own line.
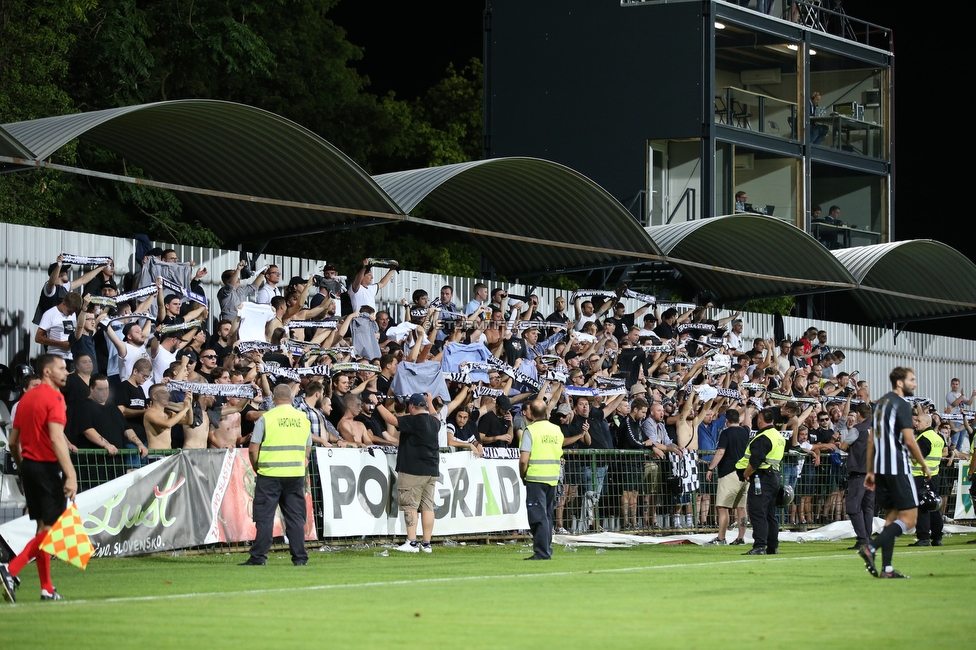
<point>752,244</point>
<point>10,146</point>
<point>228,147</point>
<point>527,197</point>
<point>909,269</point>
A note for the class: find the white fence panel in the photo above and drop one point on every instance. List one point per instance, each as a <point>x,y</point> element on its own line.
<point>873,351</point>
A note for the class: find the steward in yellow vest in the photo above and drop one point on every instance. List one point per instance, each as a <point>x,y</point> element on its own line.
<point>759,466</point>
<point>541,449</point>
<point>280,445</point>
<point>932,446</point>
<point>932,449</point>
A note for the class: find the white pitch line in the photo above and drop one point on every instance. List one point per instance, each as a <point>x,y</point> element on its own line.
<point>421,581</point>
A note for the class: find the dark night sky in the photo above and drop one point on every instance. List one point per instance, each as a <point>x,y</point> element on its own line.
<point>408,46</point>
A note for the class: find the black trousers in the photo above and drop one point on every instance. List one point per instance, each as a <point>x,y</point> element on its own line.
<point>289,493</point>
<point>928,525</point>
<point>762,510</point>
<point>540,505</point>
<point>860,507</point>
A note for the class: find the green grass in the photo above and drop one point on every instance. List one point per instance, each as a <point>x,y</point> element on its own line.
<point>815,594</point>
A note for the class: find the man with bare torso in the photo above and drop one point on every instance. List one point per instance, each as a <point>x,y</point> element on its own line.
<point>159,422</point>
<point>197,432</point>
<point>351,430</point>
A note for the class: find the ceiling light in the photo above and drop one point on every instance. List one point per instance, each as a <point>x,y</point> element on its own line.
<point>719,25</point>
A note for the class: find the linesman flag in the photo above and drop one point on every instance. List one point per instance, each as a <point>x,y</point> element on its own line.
<point>68,540</point>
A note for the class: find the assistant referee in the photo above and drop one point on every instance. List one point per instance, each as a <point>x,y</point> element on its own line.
<point>40,450</point>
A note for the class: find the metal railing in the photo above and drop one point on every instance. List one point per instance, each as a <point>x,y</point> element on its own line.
<point>836,22</point>
<point>688,200</point>
<point>751,111</point>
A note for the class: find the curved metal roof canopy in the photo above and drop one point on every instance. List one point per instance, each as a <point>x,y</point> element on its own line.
<point>911,280</point>
<point>224,147</point>
<point>769,257</point>
<point>529,199</point>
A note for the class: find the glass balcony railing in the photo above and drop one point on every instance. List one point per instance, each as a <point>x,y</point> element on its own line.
<point>751,111</point>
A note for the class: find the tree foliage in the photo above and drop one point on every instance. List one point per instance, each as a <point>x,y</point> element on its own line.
<point>285,56</point>
<point>35,38</point>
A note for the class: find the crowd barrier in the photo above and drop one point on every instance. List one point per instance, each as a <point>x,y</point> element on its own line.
<point>351,496</point>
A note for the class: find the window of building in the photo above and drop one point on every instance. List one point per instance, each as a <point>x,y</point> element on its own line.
<point>859,199</point>
<point>756,82</point>
<point>848,100</point>
<point>761,183</point>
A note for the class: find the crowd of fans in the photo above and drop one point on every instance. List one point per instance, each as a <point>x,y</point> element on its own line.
<point>664,383</point>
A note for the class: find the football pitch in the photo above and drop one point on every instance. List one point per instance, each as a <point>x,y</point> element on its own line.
<point>814,594</point>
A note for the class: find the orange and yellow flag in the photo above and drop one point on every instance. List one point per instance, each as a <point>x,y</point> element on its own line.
<point>68,540</point>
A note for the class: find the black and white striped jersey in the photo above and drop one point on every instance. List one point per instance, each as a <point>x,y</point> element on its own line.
<point>892,415</point>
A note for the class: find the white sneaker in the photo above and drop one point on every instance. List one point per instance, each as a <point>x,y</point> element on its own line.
<point>676,523</point>
<point>407,547</point>
<point>425,547</point>
<point>689,522</point>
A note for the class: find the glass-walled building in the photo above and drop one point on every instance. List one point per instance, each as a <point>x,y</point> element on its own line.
<point>688,110</point>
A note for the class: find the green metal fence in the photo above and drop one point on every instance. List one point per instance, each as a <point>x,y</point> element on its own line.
<point>625,491</point>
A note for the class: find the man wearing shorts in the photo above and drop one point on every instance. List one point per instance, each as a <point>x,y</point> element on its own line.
<point>889,472</point>
<point>731,493</point>
<point>40,449</point>
<point>417,468</point>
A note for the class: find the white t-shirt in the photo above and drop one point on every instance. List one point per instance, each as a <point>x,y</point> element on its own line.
<point>782,364</point>
<point>442,432</point>
<point>950,398</point>
<point>365,296</point>
<point>58,327</point>
<point>733,341</point>
<point>161,362</point>
<point>583,320</point>
<point>132,354</point>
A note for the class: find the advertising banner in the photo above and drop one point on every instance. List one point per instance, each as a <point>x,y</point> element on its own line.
<point>189,499</point>
<point>964,495</point>
<point>473,495</point>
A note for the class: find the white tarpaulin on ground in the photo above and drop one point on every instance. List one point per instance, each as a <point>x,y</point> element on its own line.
<point>473,495</point>
<point>835,532</point>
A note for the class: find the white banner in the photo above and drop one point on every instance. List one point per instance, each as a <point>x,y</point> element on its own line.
<point>473,495</point>
<point>964,499</point>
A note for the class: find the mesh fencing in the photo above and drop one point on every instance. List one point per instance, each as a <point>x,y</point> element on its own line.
<point>613,490</point>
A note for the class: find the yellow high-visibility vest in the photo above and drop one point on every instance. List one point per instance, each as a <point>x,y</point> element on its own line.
<point>934,459</point>
<point>286,432</point>
<point>775,455</point>
<point>547,449</point>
